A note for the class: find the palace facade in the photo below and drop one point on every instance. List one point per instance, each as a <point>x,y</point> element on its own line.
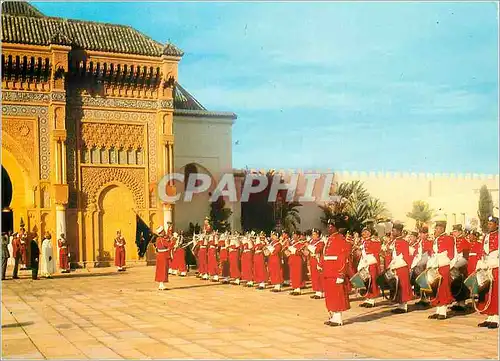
<point>93,116</point>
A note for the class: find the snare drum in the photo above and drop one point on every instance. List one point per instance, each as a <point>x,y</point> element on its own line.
<point>361,280</point>
<point>428,280</point>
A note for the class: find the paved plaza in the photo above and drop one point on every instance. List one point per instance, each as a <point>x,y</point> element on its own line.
<point>108,315</point>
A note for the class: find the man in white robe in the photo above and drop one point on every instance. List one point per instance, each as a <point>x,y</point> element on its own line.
<point>47,259</point>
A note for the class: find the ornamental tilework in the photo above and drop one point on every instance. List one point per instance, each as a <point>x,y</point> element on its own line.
<point>40,112</point>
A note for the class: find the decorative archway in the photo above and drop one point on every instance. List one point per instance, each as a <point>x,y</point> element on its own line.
<point>196,210</point>
<point>116,210</point>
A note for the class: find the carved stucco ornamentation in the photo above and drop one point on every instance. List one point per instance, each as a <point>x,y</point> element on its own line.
<point>17,96</point>
<point>106,135</point>
<point>41,113</point>
<point>58,96</point>
<point>118,103</point>
<point>76,115</point>
<point>94,178</point>
<point>166,104</point>
<point>23,132</point>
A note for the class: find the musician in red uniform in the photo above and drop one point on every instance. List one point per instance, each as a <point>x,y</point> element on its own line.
<point>203,257</point>
<point>462,249</point>
<point>490,258</point>
<point>62,243</point>
<point>259,263</point>
<point>274,263</point>
<point>224,259</point>
<point>476,250</point>
<point>333,264</point>
<point>16,253</point>
<point>120,251</point>
<point>163,257</point>
<point>444,252</point>
<point>370,249</point>
<point>400,264</point>
<point>179,266</point>
<point>234,260</point>
<point>413,244</point>
<point>425,245</point>
<point>285,266</point>
<point>316,246</point>
<point>247,262</point>
<point>212,263</point>
<point>296,263</point>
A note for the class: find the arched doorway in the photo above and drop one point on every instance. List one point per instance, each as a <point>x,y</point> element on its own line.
<point>116,211</point>
<point>7,192</point>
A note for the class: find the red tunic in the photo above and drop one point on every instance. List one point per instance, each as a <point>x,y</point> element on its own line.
<point>234,261</point>
<point>212,266</point>
<point>316,274</point>
<point>63,254</point>
<point>491,241</point>
<point>334,265</point>
<point>285,266</point>
<point>23,248</point>
<point>223,259</point>
<point>247,263</point>
<point>295,262</point>
<point>404,293</point>
<point>259,264</point>
<point>475,253</point>
<point>120,251</point>
<point>274,264</point>
<point>463,246</point>
<point>351,271</point>
<point>202,257</point>
<point>374,248</point>
<point>163,255</point>
<point>444,296</point>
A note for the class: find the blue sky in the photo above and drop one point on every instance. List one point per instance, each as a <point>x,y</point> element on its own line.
<point>348,86</point>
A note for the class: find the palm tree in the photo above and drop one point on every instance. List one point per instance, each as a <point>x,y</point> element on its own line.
<point>355,202</point>
<point>289,217</point>
<point>421,213</point>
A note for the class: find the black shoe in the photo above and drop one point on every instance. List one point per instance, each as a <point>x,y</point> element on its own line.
<point>275,290</point>
<point>484,324</point>
<point>433,317</point>
<point>458,308</point>
<point>493,325</point>
<point>315,297</point>
<point>363,304</point>
<point>328,323</point>
<point>421,304</point>
<point>261,288</point>
<point>369,305</point>
<point>334,324</point>
<point>441,317</point>
<point>15,278</point>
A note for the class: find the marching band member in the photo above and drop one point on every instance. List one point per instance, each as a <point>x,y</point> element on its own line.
<point>179,259</point>
<point>259,263</point>
<point>63,254</point>
<point>413,244</point>
<point>224,258</point>
<point>400,261</point>
<point>350,259</point>
<point>202,257</point>
<point>315,248</point>
<point>120,251</point>
<point>163,256</point>
<point>23,240</point>
<point>274,262</point>
<point>295,263</point>
<point>490,261</point>
<point>443,253</point>
<point>476,250</point>
<point>370,258</point>
<point>212,263</point>
<point>234,260</point>
<point>285,267</point>
<point>462,250</point>
<point>247,261</point>
<point>424,247</point>
<point>333,264</point>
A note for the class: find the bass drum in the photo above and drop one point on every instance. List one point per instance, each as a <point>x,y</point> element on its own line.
<point>388,281</point>
<point>428,281</point>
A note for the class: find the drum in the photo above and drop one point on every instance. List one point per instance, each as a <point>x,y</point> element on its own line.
<point>266,252</point>
<point>428,281</point>
<point>361,280</point>
<point>388,281</point>
<point>459,269</point>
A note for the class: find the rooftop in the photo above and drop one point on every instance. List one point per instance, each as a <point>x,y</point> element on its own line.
<point>22,23</point>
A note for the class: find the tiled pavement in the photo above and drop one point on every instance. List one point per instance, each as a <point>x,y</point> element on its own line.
<point>104,314</point>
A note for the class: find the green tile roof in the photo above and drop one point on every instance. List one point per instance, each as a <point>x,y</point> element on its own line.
<point>24,24</point>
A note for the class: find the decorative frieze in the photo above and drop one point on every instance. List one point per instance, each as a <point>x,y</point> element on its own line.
<point>25,97</point>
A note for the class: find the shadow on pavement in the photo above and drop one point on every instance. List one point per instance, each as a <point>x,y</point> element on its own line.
<point>21,324</point>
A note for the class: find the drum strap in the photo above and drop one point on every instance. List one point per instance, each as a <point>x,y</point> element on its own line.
<point>487,302</point>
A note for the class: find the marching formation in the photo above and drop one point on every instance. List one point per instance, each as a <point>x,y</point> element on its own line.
<point>441,271</point>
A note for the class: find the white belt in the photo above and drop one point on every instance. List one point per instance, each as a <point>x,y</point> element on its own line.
<point>63,247</point>
<point>212,246</point>
<point>203,246</point>
<point>472,254</point>
<point>258,251</point>
<point>223,248</point>
<point>162,250</point>
<point>330,258</point>
<point>232,250</point>
<point>247,250</point>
